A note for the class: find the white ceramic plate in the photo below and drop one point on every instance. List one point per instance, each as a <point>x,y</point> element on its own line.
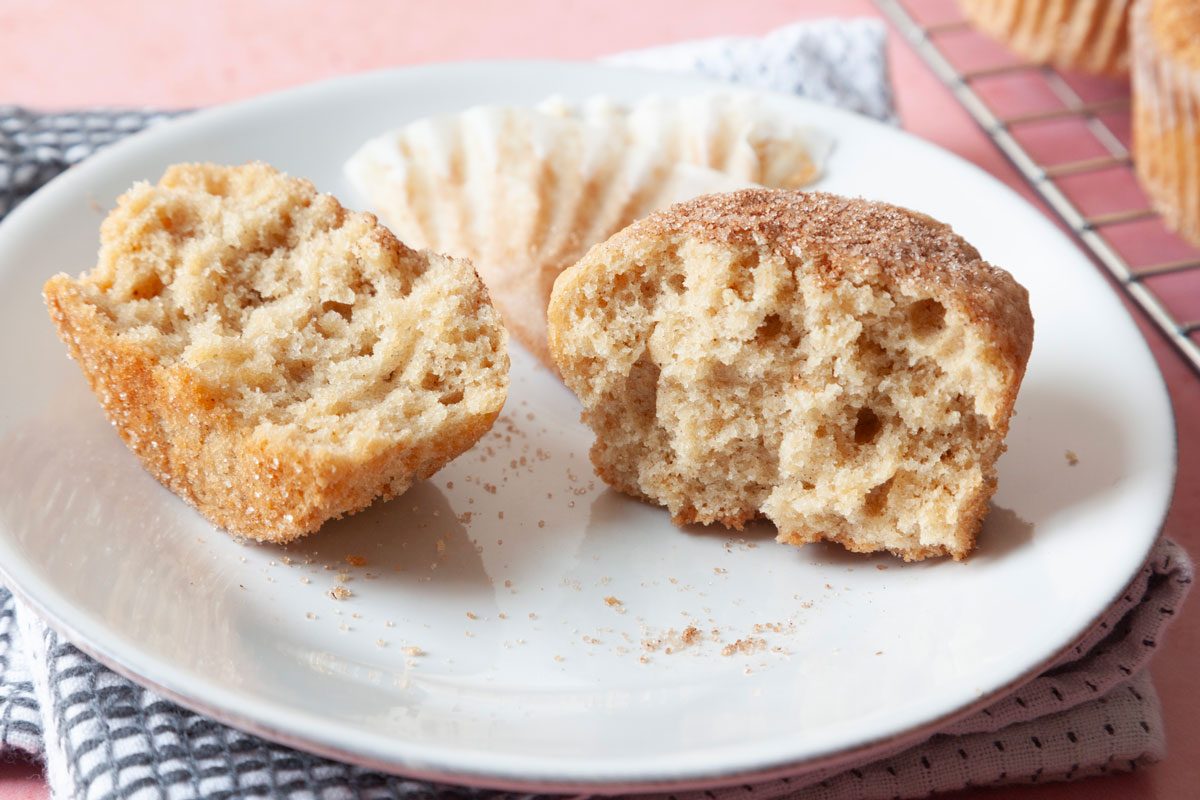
<point>498,568</point>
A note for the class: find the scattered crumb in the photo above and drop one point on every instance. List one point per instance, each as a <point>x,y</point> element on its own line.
<point>559,659</point>
<point>878,652</point>
<point>413,651</point>
<point>309,615</point>
<point>472,615</point>
<point>744,646</point>
<point>881,567</point>
<point>380,643</point>
<point>532,615</point>
<point>720,571</point>
<point>673,641</point>
<point>503,615</point>
<point>541,523</point>
<point>613,601</point>
<point>340,593</point>
<point>356,561</point>
<point>1072,459</point>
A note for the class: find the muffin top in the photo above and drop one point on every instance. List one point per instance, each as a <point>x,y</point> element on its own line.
<point>1175,25</point>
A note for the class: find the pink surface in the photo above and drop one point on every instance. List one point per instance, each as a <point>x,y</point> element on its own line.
<point>59,54</point>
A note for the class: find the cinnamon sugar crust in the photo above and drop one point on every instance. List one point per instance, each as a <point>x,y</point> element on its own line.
<point>1175,26</point>
<point>273,359</point>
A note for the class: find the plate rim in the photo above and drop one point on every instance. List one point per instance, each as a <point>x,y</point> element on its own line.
<point>480,780</point>
<point>308,741</point>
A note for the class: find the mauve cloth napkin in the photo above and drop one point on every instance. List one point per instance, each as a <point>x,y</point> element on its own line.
<point>102,736</point>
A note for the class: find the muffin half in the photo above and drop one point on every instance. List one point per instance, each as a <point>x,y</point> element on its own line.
<point>276,360</point>
<point>843,368</point>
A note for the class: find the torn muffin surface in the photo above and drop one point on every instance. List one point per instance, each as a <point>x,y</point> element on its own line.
<point>843,368</point>
<point>273,358</point>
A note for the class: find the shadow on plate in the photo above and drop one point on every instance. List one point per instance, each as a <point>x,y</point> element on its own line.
<point>1004,531</point>
<point>414,538</point>
<point>612,508</point>
<point>1056,425</point>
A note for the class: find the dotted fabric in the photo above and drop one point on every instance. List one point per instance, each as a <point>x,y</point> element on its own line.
<point>838,62</point>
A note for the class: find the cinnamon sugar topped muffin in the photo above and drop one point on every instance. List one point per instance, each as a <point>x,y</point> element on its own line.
<point>843,368</point>
<point>1085,35</point>
<point>1166,109</point>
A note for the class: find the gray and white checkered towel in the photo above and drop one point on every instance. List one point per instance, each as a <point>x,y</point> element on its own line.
<point>102,736</point>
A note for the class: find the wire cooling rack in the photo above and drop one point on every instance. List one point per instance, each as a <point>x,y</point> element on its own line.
<point>1069,136</point>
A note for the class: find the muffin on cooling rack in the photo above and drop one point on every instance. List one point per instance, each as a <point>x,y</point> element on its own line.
<point>1166,109</point>
<point>1085,35</point>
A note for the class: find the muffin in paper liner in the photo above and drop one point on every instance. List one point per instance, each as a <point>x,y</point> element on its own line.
<point>1166,109</point>
<point>1085,35</point>
<point>521,193</point>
